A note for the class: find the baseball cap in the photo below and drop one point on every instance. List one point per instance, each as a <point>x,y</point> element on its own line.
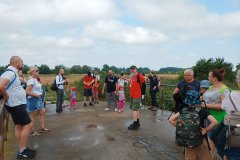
<point>205,84</point>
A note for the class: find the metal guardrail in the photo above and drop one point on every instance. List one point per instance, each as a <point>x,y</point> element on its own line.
<point>3,128</point>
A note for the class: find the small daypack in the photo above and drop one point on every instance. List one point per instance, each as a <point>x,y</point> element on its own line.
<point>233,122</point>
<point>54,86</point>
<point>188,128</point>
<point>192,98</point>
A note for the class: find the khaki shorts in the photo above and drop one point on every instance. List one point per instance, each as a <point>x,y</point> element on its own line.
<point>199,153</point>
<point>135,103</point>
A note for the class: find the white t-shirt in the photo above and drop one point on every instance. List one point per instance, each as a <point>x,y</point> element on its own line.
<point>37,87</point>
<point>60,82</point>
<point>17,95</point>
<point>227,104</point>
<point>122,81</point>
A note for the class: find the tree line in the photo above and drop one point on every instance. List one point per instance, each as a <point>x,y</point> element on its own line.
<point>78,69</point>
<point>201,69</point>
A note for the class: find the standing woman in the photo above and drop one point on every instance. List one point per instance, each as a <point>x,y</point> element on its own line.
<point>213,98</point>
<point>22,79</point>
<point>35,104</point>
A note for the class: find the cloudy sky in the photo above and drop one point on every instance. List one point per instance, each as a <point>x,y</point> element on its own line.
<point>152,33</point>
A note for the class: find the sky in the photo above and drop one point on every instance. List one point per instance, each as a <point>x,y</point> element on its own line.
<point>146,33</point>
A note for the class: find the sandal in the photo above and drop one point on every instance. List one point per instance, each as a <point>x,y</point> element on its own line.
<point>33,133</point>
<point>44,130</point>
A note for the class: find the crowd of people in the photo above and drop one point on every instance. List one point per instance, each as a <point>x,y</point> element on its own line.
<point>214,107</point>
<point>214,101</point>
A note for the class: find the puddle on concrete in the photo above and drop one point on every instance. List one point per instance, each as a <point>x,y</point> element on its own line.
<point>75,138</point>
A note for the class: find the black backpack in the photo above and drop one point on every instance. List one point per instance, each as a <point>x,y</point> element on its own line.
<point>54,85</point>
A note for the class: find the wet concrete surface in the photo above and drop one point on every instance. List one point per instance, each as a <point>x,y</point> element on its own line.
<point>94,134</point>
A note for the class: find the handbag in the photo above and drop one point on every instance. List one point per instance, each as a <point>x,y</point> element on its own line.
<point>232,120</point>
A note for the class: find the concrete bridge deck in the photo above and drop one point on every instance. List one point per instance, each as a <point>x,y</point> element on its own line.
<point>94,134</point>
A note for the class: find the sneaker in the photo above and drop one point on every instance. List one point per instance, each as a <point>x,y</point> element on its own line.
<point>31,150</point>
<point>91,104</point>
<point>119,111</point>
<point>33,133</point>
<point>137,124</point>
<point>133,126</point>
<point>107,109</point>
<point>27,154</point>
<point>75,107</point>
<point>122,110</point>
<point>85,105</point>
<point>69,107</point>
<point>115,109</point>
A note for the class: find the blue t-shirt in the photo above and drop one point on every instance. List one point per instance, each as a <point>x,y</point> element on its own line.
<point>185,86</point>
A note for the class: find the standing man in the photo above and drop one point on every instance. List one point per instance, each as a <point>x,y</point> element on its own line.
<point>111,83</point>
<point>153,79</point>
<point>189,83</point>
<point>136,81</point>
<point>87,91</point>
<point>60,82</point>
<point>15,103</point>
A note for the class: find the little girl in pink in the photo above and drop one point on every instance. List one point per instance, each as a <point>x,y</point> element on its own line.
<point>121,97</point>
<point>73,98</point>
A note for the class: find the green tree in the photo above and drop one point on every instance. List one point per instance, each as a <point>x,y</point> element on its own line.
<point>203,67</point>
<point>76,69</point>
<point>26,68</point>
<point>238,67</point>
<point>105,68</point>
<point>86,69</point>
<point>2,68</point>
<point>44,69</point>
<point>114,69</point>
<point>58,67</point>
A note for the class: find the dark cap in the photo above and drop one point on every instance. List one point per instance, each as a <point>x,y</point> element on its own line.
<point>133,67</point>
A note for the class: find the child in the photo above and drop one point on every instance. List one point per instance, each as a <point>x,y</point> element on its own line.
<point>95,90</point>
<point>121,97</point>
<point>73,98</point>
<point>204,85</point>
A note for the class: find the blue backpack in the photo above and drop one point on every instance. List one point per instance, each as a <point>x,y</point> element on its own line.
<point>192,98</point>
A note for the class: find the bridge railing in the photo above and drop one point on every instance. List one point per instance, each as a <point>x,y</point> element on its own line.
<point>3,128</point>
<point>164,96</point>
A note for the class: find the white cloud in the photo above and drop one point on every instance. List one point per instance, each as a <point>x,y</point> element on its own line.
<point>185,16</point>
<point>66,12</point>
<point>158,33</point>
<point>119,32</point>
<point>69,43</point>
